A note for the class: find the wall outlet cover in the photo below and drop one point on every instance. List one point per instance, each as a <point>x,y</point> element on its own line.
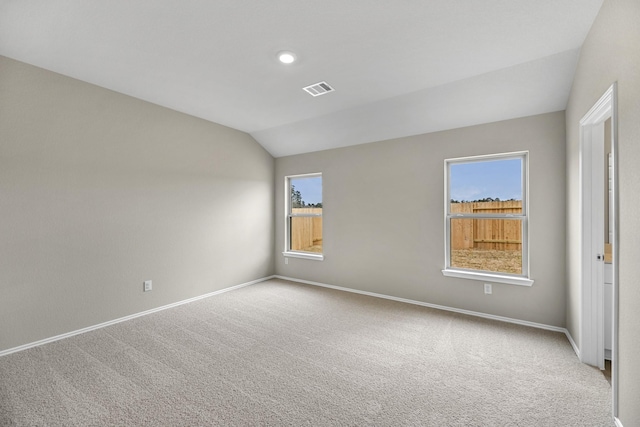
<point>147,285</point>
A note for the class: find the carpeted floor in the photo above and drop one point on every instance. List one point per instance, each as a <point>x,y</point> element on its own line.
<point>279,353</point>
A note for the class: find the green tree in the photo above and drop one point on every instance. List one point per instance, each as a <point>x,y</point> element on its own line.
<point>296,198</point>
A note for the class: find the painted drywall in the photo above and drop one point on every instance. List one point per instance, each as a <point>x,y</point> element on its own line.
<point>383,217</point>
<point>100,191</point>
<point>611,53</point>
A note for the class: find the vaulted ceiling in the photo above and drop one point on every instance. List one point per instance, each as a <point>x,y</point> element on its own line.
<point>399,67</point>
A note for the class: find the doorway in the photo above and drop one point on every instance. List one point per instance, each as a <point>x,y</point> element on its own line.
<point>599,233</point>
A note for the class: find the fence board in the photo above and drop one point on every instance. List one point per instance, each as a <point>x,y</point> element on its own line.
<point>494,234</point>
<point>306,231</point>
<point>465,233</point>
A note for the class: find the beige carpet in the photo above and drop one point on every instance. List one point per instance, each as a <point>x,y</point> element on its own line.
<point>279,353</point>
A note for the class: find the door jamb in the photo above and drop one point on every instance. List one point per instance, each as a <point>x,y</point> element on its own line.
<point>591,337</point>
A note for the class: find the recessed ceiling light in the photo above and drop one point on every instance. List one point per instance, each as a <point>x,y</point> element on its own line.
<point>286,57</point>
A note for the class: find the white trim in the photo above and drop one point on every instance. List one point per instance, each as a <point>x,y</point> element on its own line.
<point>618,422</point>
<point>435,306</point>
<point>304,255</point>
<point>304,175</point>
<point>523,156</point>
<point>288,215</point>
<point>573,343</point>
<point>615,247</point>
<point>513,154</point>
<point>487,277</point>
<point>130,317</point>
<point>590,305</point>
<point>601,110</point>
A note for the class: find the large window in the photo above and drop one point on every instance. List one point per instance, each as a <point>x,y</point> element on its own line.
<point>303,207</point>
<point>486,218</point>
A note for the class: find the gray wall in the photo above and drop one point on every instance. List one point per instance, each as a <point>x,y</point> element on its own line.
<point>611,53</point>
<point>100,191</point>
<point>383,217</point>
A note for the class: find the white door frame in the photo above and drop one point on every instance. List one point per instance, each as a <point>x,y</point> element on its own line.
<point>592,235</point>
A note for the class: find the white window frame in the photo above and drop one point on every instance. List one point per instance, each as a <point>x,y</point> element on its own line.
<point>483,275</point>
<point>288,215</point>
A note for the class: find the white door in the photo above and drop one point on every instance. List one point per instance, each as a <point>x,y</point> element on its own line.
<point>593,180</point>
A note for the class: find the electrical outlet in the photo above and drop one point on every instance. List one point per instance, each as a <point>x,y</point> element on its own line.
<point>286,260</point>
<point>487,288</point>
<point>147,285</point>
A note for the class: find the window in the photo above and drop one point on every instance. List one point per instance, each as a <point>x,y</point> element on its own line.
<point>486,218</point>
<point>303,207</point>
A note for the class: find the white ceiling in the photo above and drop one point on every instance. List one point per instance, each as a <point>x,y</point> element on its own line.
<point>399,67</point>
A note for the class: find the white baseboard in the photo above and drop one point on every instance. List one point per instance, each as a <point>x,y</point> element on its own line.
<point>573,343</point>
<point>308,282</point>
<point>132,316</point>
<point>438,307</point>
<point>618,422</point>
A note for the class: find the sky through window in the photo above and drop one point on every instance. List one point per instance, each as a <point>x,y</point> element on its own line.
<point>495,179</point>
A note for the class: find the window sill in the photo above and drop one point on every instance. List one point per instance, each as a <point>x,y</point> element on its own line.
<point>304,255</point>
<point>488,277</point>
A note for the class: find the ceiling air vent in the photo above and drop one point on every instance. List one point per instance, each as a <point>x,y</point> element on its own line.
<point>318,89</point>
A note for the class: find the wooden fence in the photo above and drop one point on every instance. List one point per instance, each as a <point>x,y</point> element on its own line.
<point>466,233</point>
<point>498,234</point>
<point>306,232</point>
